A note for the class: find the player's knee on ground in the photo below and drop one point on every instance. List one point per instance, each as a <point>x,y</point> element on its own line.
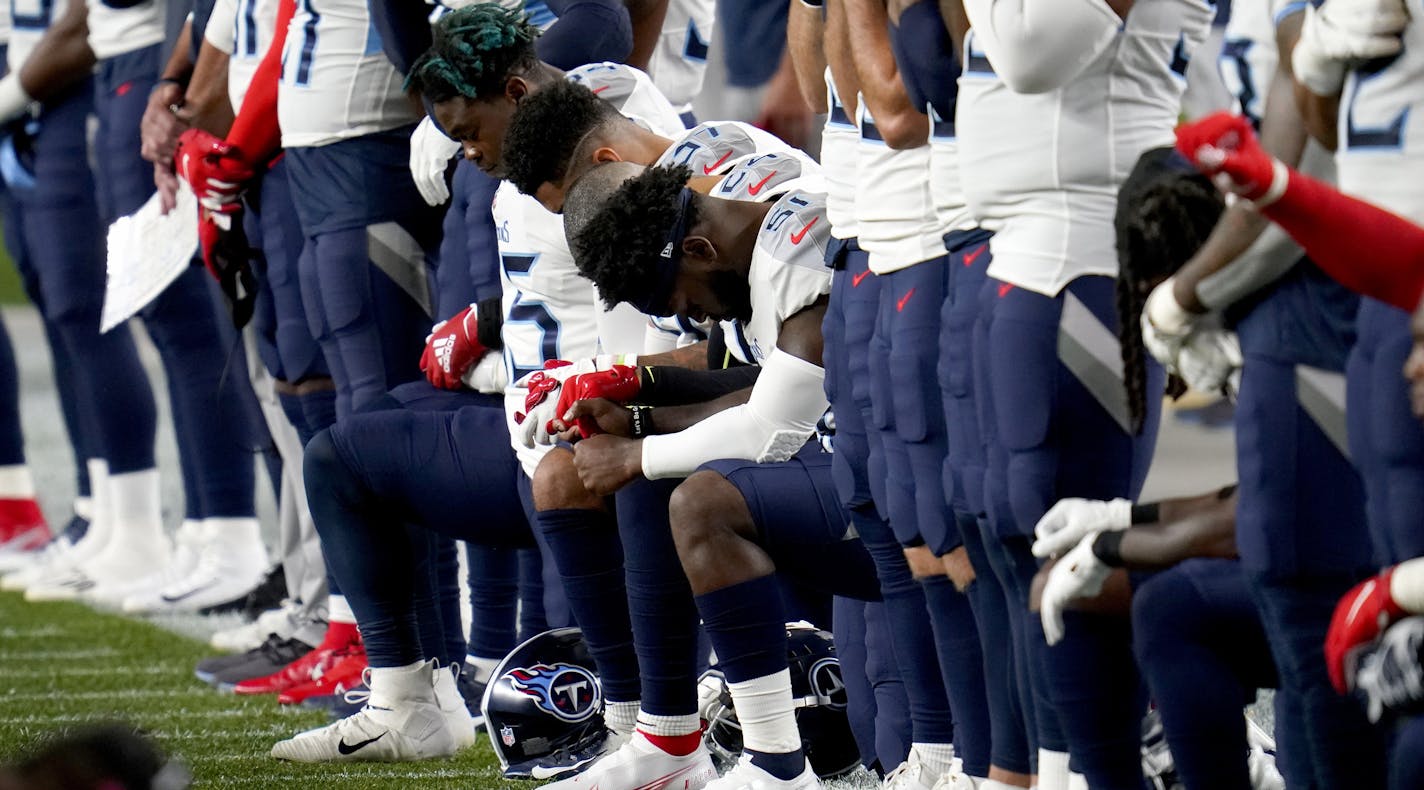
<point>556,484</point>
<point>923,562</point>
<point>703,508</point>
<point>958,568</point>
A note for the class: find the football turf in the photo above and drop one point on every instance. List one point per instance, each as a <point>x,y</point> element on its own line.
<point>63,664</point>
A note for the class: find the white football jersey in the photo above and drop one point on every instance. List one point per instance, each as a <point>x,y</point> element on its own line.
<point>788,271</point>
<point>679,61</point>
<point>337,83</point>
<point>633,93</point>
<point>894,209</point>
<point>243,29</point>
<point>840,156</point>
<point>1381,126</point>
<point>115,31</point>
<point>1042,170</point>
<point>946,191</point>
<point>5,22</point>
<point>763,177</point>
<point>29,21</point>
<point>715,147</point>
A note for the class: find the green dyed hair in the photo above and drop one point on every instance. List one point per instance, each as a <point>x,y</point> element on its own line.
<point>474,52</point>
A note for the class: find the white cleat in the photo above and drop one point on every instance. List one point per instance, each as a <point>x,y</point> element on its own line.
<point>224,571</point>
<point>457,716</point>
<point>639,765</point>
<point>62,583</point>
<point>745,776</point>
<point>186,543</point>
<point>913,775</point>
<point>56,554</point>
<point>955,778</point>
<point>391,728</point>
<point>239,639</point>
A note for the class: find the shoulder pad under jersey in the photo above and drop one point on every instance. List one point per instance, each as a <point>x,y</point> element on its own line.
<point>613,82</point>
<point>758,177</point>
<point>710,148</point>
<point>796,231</point>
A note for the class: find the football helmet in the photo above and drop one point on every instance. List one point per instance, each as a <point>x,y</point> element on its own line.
<point>544,706</point>
<point>820,697</point>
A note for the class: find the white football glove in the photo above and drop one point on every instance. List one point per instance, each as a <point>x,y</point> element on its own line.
<point>1343,33</point>
<point>1079,574</point>
<point>1209,360</point>
<point>1166,325</point>
<point>430,153</point>
<point>1071,520</point>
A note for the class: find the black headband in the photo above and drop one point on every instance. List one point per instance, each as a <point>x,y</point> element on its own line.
<point>668,263</point>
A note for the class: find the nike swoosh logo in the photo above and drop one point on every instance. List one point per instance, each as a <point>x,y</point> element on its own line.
<point>662,781</point>
<point>708,170</point>
<point>900,303</point>
<point>754,189</point>
<point>1004,290</point>
<point>801,234</point>
<point>856,278</point>
<point>540,772</point>
<point>600,89</point>
<point>351,748</point>
<point>973,256</point>
<point>188,594</point>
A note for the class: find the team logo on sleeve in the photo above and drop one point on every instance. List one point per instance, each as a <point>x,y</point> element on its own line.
<point>564,691</point>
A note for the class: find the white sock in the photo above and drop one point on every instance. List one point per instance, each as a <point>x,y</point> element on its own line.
<point>101,517</point>
<point>1052,770</point>
<point>668,726</point>
<point>767,713</point>
<point>136,509</point>
<point>16,482</point>
<point>84,507</point>
<point>937,757</point>
<point>239,538</point>
<point>481,669</point>
<point>1077,781</point>
<point>621,717</point>
<point>338,610</point>
<point>413,681</point>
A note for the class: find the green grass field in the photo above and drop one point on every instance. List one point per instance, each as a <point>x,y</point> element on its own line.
<point>64,664</point>
<point>10,291</point>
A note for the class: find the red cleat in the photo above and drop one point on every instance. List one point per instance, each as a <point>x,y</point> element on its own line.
<point>22,526</point>
<point>304,670</point>
<point>341,677</point>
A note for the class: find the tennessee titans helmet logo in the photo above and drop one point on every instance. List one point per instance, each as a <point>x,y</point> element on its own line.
<point>567,692</point>
<point>826,683</point>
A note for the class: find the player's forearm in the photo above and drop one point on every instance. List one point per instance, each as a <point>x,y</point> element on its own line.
<point>1192,527</point>
<point>61,58</point>
<point>647,17</point>
<point>1320,114</point>
<point>671,419</point>
<point>179,67</point>
<point>1365,248</point>
<point>804,29</point>
<point>206,104</point>
<point>838,55</point>
<point>899,122</point>
<point>1040,45</point>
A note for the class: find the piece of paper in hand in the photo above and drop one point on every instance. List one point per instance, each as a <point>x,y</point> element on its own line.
<point>148,250</point>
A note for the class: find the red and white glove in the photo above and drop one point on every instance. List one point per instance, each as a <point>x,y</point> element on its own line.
<point>1360,617</point>
<point>215,170</point>
<point>619,383</point>
<point>540,405</point>
<point>1224,146</point>
<point>451,349</point>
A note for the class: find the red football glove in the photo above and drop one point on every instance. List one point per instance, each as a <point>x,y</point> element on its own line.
<point>619,384</point>
<point>452,348</point>
<point>1360,617</point>
<point>1224,146</point>
<point>539,387</point>
<point>215,170</point>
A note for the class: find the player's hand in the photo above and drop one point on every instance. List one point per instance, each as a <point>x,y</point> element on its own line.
<point>1390,677</point>
<point>1365,611</point>
<point>430,155</point>
<point>1071,520</point>
<point>592,416</point>
<point>160,128</point>
<point>607,463</point>
<point>166,182</point>
<point>1079,574</point>
<point>451,349</point>
<point>620,383</point>
<point>217,172</point>
<point>1224,146</point>
<point>1209,360</point>
<point>1341,34</point>
<point>541,399</point>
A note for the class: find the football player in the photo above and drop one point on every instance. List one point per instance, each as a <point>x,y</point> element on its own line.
<point>1057,424</point>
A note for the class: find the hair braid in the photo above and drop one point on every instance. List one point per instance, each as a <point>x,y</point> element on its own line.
<point>474,51</point>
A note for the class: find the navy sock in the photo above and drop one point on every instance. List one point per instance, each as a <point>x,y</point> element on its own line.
<point>585,547</point>
<point>494,591</point>
<point>786,766</point>
<point>447,591</point>
<point>532,618</point>
<point>12,440</point>
<point>961,664</point>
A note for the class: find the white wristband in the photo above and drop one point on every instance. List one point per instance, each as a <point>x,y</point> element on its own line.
<point>1406,586</point>
<point>14,100</point>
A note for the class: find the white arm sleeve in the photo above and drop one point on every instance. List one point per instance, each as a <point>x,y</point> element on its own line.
<point>1037,46</point>
<point>221,31</point>
<point>788,398</point>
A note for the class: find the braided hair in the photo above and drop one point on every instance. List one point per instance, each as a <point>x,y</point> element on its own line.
<point>1165,211</point>
<point>475,49</point>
